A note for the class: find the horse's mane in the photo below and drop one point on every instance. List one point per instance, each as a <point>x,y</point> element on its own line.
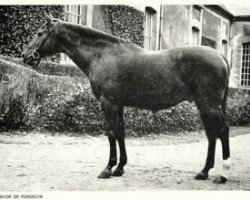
<point>92,36</point>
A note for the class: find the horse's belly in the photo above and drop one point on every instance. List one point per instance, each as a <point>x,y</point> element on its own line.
<point>145,87</point>
<point>152,100</point>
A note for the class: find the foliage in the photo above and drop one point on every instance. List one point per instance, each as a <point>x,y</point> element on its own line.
<point>25,88</point>
<point>19,23</point>
<point>238,107</point>
<point>127,22</point>
<point>62,103</point>
<point>50,68</point>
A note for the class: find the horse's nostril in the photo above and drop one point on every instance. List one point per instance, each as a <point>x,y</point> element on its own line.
<point>36,55</point>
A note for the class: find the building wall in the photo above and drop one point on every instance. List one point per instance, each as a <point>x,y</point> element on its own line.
<point>211,28</point>
<point>239,34</point>
<point>175,26</point>
<point>101,20</point>
<point>216,29</point>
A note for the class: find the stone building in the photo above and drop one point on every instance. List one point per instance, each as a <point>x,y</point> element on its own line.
<point>168,26</point>
<point>157,27</point>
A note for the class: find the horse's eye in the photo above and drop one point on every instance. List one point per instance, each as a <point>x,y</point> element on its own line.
<point>39,34</point>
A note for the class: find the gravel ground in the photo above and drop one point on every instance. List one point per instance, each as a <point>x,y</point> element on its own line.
<point>39,161</point>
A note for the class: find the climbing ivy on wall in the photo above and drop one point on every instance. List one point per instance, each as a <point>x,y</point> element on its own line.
<point>19,23</point>
<point>127,22</point>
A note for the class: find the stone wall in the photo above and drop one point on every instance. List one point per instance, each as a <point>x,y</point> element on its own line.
<point>239,35</point>
<point>175,26</point>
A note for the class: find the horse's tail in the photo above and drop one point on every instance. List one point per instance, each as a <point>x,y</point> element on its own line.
<point>224,101</point>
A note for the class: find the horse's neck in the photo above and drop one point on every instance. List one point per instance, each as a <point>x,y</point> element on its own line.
<point>84,54</point>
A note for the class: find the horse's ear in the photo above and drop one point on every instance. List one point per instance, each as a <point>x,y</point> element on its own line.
<point>51,21</point>
<point>51,16</point>
<point>48,17</point>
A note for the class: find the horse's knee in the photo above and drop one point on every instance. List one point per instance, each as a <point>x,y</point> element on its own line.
<point>109,129</point>
<point>220,131</point>
<point>110,133</point>
<point>223,133</point>
<point>211,133</point>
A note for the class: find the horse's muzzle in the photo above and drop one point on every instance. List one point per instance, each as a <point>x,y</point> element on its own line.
<point>33,58</point>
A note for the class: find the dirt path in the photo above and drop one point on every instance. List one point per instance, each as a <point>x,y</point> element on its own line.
<point>38,161</point>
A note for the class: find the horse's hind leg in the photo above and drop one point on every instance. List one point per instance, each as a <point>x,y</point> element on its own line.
<point>120,134</point>
<point>226,164</point>
<point>215,127</point>
<point>110,116</point>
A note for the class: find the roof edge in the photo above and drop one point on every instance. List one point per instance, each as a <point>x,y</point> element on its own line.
<point>242,18</point>
<point>221,10</point>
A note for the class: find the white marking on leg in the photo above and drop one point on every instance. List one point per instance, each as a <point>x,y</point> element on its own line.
<point>225,168</point>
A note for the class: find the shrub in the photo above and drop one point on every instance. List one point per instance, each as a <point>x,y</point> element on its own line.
<point>238,107</point>
<point>62,103</point>
<point>127,23</point>
<point>50,68</point>
<point>30,88</point>
<point>19,23</point>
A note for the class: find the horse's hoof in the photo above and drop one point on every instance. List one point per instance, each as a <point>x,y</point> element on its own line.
<point>201,176</point>
<point>220,180</point>
<point>118,172</point>
<point>105,174</point>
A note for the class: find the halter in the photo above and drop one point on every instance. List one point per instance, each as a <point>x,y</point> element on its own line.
<point>34,54</point>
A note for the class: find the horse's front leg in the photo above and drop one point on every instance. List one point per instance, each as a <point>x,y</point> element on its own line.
<point>120,134</point>
<point>107,172</point>
<point>110,116</point>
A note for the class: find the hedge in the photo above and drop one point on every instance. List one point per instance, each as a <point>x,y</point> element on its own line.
<point>18,24</point>
<point>23,92</point>
<point>50,68</point>
<point>127,22</point>
<point>32,100</point>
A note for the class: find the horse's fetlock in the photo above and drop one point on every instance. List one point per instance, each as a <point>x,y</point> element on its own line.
<point>123,161</point>
<point>112,162</point>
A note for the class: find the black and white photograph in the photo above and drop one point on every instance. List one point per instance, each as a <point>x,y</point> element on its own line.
<point>124,97</point>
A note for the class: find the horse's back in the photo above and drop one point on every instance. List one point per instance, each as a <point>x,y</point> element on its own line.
<point>158,80</point>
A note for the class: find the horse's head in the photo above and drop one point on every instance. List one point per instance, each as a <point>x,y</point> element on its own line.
<point>44,43</point>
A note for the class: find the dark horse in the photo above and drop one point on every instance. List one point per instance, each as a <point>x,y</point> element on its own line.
<point>124,74</point>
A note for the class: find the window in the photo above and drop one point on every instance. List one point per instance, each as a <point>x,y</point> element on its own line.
<point>76,14</point>
<point>224,28</point>
<point>245,70</point>
<point>150,29</point>
<point>196,13</point>
<point>224,48</point>
<point>73,14</point>
<point>208,42</point>
<point>195,36</point>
